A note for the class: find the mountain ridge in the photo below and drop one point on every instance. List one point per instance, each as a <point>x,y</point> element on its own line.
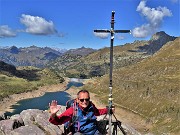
<point>97,62</point>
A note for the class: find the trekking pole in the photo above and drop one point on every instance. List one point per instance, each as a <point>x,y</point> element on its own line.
<point>110,99</point>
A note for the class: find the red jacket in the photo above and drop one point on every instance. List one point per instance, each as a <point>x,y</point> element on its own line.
<point>68,114</point>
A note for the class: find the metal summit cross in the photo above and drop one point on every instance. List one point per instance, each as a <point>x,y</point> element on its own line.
<point>112,31</point>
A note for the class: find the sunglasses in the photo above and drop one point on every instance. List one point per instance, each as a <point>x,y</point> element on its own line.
<point>82,100</point>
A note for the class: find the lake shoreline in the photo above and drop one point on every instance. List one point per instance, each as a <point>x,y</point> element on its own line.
<point>6,103</point>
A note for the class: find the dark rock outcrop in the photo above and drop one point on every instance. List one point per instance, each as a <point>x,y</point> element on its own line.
<point>156,42</point>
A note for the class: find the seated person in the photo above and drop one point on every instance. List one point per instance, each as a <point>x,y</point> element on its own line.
<point>85,122</point>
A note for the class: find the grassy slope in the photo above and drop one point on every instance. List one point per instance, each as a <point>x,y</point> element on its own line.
<point>150,88</point>
<point>31,78</point>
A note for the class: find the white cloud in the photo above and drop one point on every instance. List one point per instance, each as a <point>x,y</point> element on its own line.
<point>101,35</point>
<point>154,17</point>
<point>37,25</point>
<point>5,31</point>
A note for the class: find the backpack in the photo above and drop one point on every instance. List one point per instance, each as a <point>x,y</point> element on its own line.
<point>68,125</point>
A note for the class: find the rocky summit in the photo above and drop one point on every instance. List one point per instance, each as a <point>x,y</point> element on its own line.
<point>35,122</point>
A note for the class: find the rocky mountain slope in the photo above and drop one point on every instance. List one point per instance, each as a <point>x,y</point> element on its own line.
<point>97,63</point>
<point>37,56</point>
<point>156,42</point>
<point>70,58</point>
<point>83,51</point>
<point>28,56</point>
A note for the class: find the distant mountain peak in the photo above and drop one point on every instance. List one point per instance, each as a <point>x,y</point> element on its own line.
<point>160,35</point>
<point>14,50</point>
<point>32,46</point>
<point>157,41</point>
<point>83,51</point>
<point>83,47</point>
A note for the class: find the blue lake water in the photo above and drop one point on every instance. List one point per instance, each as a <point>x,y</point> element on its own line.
<point>42,102</point>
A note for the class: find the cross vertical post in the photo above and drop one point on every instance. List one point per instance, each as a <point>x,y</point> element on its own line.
<point>112,31</point>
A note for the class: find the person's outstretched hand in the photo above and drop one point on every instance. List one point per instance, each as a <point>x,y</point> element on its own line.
<point>54,107</point>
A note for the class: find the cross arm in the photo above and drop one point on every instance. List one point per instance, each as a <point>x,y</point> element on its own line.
<point>122,31</point>
<point>103,31</point>
<point>114,31</point>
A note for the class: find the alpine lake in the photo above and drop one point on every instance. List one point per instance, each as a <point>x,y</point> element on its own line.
<point>42,103</point>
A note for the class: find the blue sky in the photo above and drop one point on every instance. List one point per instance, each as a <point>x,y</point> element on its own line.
<point>70,24</point>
